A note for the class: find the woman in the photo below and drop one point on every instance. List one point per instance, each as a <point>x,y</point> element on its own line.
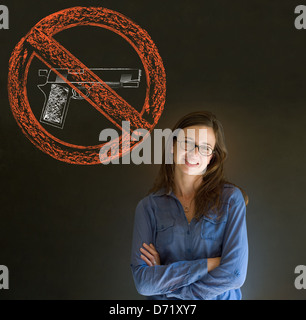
<point>190,238</point>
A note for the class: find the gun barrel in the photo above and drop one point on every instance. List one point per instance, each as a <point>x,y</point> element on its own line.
<point>114,77</point>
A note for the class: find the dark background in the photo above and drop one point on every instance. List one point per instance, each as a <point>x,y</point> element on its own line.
<point>65,230</point>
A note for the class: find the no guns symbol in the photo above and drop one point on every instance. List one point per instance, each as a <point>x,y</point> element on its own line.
<point>39,42</point>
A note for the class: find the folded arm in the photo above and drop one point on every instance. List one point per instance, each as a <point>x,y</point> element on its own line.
<point>231,272</point>
<point>159,279</point>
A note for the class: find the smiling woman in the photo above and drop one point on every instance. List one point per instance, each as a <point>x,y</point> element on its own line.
<point>190,238</point>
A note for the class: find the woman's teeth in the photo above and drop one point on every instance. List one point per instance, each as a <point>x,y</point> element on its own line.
<point>191,164</point>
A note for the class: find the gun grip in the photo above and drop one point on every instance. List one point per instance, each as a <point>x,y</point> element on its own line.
<point>56,106</point>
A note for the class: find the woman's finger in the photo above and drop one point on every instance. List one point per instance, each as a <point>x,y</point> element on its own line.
<point>156,255</point>
<point>148,255</point>
<point>150,249</point>
<point>147,261</point>
<point>151,254</point>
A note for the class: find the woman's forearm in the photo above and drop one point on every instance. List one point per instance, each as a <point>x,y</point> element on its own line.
<point>163,279</point>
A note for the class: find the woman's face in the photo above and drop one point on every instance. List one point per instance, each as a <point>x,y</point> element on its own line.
<point>192,162</point>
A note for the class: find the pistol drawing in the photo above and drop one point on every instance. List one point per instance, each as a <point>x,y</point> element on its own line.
<point>58,93</point>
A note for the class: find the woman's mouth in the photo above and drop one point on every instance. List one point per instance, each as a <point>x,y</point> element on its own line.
<point>191,164</point>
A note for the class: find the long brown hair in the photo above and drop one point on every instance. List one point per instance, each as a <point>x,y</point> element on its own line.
<point>208,194</point>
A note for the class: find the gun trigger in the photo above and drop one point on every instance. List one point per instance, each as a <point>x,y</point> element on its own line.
<point>74,94</point>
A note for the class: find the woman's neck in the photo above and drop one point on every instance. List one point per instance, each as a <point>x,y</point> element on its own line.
<point>186,185</point>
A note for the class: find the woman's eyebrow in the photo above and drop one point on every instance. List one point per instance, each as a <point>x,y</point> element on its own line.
<point>190,139</point>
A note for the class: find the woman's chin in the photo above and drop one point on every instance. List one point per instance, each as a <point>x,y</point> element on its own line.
<point>193,170</point>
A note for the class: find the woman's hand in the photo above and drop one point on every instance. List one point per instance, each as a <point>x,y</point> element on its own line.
<point>149,255</point>
<point>213,263</point>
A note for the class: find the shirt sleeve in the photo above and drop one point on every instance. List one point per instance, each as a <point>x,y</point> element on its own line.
<point>160,279</point>
<point>231,272</point>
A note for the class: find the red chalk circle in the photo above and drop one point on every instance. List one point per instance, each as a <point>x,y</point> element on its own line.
<point>39,42</point>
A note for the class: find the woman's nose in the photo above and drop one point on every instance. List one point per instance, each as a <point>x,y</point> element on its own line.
<point>196,150</point>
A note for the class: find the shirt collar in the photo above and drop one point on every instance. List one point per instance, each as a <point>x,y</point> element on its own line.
<point>162,192</point>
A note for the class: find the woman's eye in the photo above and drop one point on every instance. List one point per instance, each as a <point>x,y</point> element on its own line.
<point>204,148</point>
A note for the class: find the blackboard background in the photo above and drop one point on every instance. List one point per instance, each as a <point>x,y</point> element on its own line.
<point>65,230</point>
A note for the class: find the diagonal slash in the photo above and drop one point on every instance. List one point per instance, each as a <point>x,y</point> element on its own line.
<point>101,96</point>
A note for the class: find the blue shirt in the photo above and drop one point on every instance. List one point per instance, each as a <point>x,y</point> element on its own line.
<point>184,248</point>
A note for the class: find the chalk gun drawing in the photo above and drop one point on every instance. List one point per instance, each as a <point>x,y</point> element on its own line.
<point>58,93</point>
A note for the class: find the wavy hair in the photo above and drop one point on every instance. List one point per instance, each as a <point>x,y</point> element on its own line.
<point>208,194</point>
